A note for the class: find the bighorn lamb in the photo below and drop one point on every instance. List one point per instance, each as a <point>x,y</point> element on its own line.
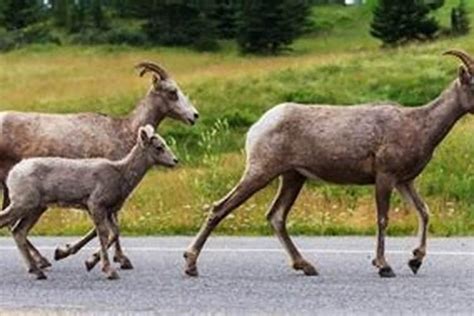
<point>88,135</point>
<point>385,145</point>
<point>98,185</point>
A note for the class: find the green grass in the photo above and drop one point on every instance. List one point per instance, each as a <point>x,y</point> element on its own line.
<point>339,64</point>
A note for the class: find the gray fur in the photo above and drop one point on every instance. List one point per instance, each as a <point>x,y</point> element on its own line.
<point>99,186</point>
<point>89,135</point>
<point>374,144</point>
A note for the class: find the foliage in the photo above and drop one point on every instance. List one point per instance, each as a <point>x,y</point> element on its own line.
<point>18,14</point>
<point>401,21</point>
<point>271,26</point>
<point>180,23</point>
<point>226,17</point>
<point>460,22</point>
<point>34,34</point>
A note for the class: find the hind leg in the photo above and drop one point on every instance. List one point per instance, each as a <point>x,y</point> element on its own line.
<point>40,260</point>
<point>408,191</point>
<point>290,186</point>
<point>249,185</point>
<point>20,233</point>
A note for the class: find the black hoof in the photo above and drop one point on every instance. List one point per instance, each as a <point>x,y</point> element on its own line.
<point>89,265</point>
<point>190,269</point>
<point>386,272</point>
<point>61,253</point>
<point>44,264</point>
<point>307,268</point>
<point>126,264</point>
<point>415,265</point>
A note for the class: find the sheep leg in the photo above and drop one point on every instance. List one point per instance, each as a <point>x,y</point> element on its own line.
<point>40,260</point>
<point>249,185</point>
<point>62,252</point>
<point>408,191</point>
<point>6,197</point>
<point>20,233</point>
<point>114,239</point>
<point>120,257</point>
<point>290,186</point>
<point>103,226</point>
<point>383,192</point>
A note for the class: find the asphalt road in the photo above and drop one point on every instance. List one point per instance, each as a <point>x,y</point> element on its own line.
<point>246,275</point>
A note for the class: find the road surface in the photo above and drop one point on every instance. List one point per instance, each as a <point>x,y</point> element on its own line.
<point>246,275</point>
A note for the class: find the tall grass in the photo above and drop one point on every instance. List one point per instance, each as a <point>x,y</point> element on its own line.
<point>340,64</point>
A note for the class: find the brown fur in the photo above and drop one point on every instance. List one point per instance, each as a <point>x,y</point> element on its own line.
<point>373,144</point>
<point>88,135</point>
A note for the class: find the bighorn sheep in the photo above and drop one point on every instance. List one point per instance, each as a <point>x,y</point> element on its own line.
<point>89,135</point>
<point>98,185</point>
<point>385,145</point>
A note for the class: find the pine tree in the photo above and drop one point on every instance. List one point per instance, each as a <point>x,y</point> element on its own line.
<point>61,11</point>
<point>180,23</point>
<point>97,14</point>
<point>400,21</point>
<point>460,23</point>
<point>18,14</point>
<point>271,26</point>
<point>225,15</point>
<point>76,17</point>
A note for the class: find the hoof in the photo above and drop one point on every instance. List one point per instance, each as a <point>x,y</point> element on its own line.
<point>125,263</point>
<point>39,275</point>
<point>190,268</point>
<point>386,272</point>
<point>307,268</point>
<point>90,264</point>
<point>415,265</point>
<point>61,253</point>
<point>43,263</point>
<point>112,275</point>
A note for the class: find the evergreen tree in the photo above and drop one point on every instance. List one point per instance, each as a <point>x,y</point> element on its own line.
<point>76,17</point>
<point>271,26</point>
<point>61,10</point>
<point>18,14</point>
<point>97,15</point>
<point>400,21</point>
<point>180,23</point>
<point>460,23</point>
<point>225,15</point>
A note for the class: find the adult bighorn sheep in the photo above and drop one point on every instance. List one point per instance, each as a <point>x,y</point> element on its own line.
<point>87,135</point>
<point>382,144</point>
<point>97,185</point>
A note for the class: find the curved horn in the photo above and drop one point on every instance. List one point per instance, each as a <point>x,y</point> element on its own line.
<point>148,66</point>
<point>466,59</point>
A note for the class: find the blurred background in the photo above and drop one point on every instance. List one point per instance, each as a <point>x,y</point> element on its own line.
<point>235,60</point>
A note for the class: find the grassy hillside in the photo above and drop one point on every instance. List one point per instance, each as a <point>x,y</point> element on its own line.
<point>339,64</point>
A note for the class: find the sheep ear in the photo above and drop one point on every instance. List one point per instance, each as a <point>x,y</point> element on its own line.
<point>143,136</point>
<point>156,81</point>
<point>464,76</point>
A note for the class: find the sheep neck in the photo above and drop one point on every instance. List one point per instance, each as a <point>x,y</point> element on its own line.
<point>133,168</point>
<point>439,116</point>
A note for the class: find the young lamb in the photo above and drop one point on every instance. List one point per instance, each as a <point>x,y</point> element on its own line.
<point>99,186</point>
<point>384,145</point>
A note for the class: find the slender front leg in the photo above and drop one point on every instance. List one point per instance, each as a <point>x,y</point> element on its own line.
<point>120,257</point>
<point>408,191</point>
<point>102,225</point>
<point>113,240</point>
<point>65,251</point>
<point>383,192</point>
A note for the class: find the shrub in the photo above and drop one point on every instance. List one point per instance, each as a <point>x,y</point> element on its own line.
<point>34,34</point>
<point>400,21</point>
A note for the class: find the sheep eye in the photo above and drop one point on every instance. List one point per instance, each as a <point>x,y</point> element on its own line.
<point>159,149</point>
<point>173,95</point>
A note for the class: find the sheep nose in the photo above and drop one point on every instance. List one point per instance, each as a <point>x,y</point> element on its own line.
<point>196,116</point>
<point>175,160</point>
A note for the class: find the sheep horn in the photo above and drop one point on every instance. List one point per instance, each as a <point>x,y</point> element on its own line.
<point>148,66</point>
<point>466,59</point>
